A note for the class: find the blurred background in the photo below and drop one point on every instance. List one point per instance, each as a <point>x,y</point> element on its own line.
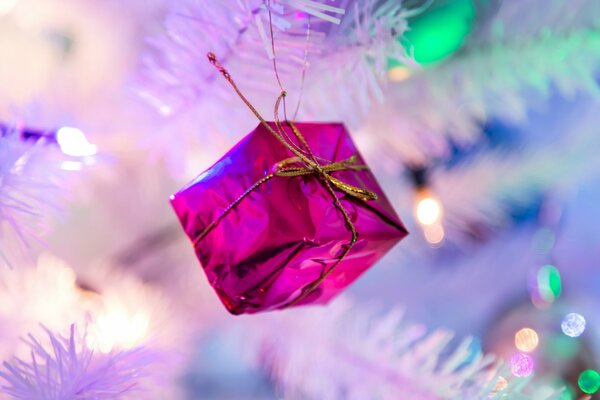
<point>479,118</point>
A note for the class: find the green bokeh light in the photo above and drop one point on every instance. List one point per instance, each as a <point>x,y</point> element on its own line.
<point>438,33</point>
<point>549,283</point>
<point>554,282</point>
<point>589,381</point>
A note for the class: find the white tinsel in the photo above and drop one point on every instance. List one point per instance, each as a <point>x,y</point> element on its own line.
<point>343,351</point>
<point>118,311</point>
<point>66,368</point>
<point>29,194</point>
<point>345,65</point>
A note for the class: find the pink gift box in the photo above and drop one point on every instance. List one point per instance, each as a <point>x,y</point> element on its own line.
<point>288,231</point>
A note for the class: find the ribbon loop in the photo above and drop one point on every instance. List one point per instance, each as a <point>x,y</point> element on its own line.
<point>353,191</point>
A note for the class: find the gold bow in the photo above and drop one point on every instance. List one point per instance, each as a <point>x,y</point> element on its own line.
<point>299,169</point>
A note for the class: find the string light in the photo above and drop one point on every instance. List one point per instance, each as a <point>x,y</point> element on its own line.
<point>428,209</point>
<point>526,340</point>
<point>73,142</point>
<point>429,212</point>
<point>573,325</point>
<point>117,328</point>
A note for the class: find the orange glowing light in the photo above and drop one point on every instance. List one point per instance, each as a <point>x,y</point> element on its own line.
<point>526,340</point>
<point>117,328</point>
<point>429,209</point>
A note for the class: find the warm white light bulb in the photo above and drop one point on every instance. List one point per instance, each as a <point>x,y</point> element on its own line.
<point>429,211</point>
<point>73,142</point>
<point>118,329</point>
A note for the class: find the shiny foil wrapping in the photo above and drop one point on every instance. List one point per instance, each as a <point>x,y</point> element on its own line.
<point>287,232</point>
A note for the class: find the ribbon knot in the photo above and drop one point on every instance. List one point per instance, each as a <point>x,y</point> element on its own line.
<point>294,166</point>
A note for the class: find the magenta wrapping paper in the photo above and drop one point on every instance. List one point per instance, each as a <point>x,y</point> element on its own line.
<point>286,233</point>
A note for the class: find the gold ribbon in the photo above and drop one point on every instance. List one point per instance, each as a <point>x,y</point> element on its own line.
<point>303,163</point>
<point>298,169</point>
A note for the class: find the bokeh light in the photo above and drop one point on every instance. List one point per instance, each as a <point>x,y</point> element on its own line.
<point>526,340</point>
<point>73,142</point>
<point>573,325</point>
<point>589,381</point>
<point>117,328</point>
<point>521,365</point>
<point>429,210</point>
<point>549,284</point>
<point>439,32</point>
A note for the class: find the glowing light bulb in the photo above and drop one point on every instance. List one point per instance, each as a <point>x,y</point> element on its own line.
<point>521,365</point>
<point>73,142</point>
<point>429,210</point>
<point>6,6</point>
<point>573,325</point>
<point>526,340</point>
<point>428,213</point>
<point>117,329</point>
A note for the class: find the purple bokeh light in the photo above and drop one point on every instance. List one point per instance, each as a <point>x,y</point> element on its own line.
<point>521,365</point>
